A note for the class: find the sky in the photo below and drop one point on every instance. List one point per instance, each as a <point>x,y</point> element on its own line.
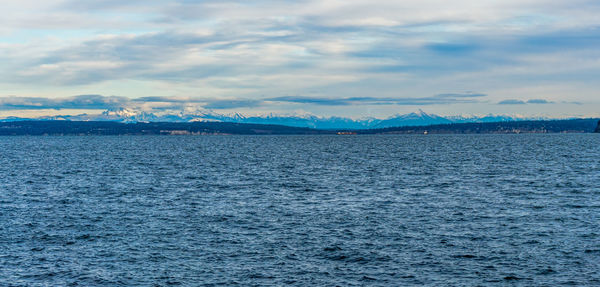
<point>351,58</point>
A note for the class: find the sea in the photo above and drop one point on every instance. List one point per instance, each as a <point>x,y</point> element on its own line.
<point>320,210</point>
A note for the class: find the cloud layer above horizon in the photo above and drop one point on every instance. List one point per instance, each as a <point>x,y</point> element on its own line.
<point>361,58</point>
<point>99,102</point>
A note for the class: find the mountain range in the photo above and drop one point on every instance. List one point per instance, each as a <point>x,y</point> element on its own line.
<point>418,118</point>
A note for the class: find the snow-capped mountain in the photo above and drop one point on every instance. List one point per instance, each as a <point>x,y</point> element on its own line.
<point>310,121</point>
<point>418,118</point>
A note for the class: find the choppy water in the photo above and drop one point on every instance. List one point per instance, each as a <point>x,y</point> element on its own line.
<point>450,210</point>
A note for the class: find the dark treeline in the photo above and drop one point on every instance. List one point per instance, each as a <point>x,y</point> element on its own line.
<point>161,128</point>
<point>205,128</point>
<point>550,126</point>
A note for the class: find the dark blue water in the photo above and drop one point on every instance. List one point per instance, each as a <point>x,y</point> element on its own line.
<point>487,210</point>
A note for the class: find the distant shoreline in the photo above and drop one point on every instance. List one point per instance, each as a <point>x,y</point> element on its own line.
<point>40,128</point>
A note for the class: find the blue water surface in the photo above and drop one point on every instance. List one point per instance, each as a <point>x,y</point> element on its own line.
<point>437,210</point>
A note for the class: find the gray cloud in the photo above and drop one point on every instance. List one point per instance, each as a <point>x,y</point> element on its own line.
<point>162,103</point>
<point>76,102</point>
<point>168,100</point>
<point>539,101</point>
<point>433,100</point>
<point>522,102</point>
<point>149,56</point>
<point>511,102</point>
<point>461,96</point>
<point>571,103</point>
<point>318,101</point>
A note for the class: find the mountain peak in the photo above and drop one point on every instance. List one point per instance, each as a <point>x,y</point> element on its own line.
<point>417,118</point>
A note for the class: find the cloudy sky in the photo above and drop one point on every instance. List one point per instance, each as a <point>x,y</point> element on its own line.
<point>352,58</point>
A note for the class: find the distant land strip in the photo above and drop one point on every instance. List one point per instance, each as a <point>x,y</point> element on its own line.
<point>223,128</point>
<point>140,128</point>
<point>512,127</point>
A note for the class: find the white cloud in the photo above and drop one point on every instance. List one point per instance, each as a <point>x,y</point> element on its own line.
<point>332,48</point>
